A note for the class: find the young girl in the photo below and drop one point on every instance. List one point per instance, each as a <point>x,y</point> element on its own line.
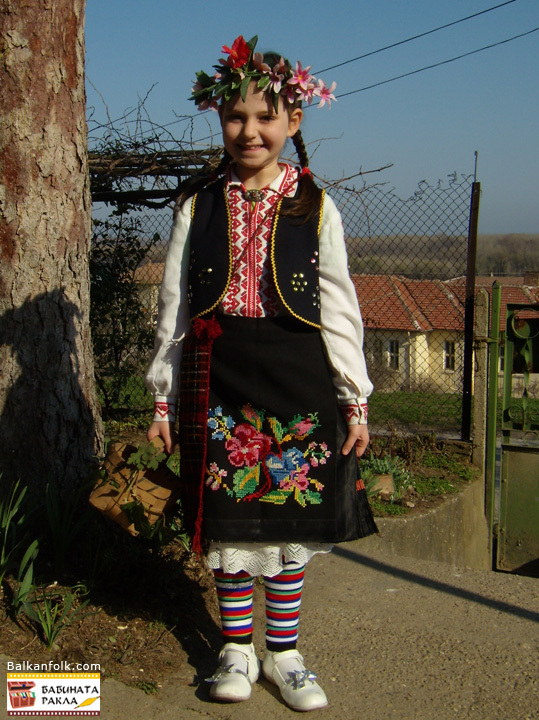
<point>260,333</point>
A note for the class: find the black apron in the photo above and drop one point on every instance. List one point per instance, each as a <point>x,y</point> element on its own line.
<point>274,471</point>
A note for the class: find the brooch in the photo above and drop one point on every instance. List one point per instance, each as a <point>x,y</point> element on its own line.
<point>254,195</point>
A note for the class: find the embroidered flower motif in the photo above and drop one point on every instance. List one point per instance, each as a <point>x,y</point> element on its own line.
<point>318,457</point>
<point>221,425</point>
<point>298,479</point>
<point>288,471</point>
<point>267,470</point>
<point>215,476</point>
<point>247,446</point>
<point>303,427</point>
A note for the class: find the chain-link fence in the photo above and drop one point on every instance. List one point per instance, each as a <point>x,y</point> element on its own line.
<point>402,253</point>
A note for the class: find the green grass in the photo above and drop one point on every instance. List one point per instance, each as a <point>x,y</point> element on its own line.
<point>417,410</point>
<point>384,509</point>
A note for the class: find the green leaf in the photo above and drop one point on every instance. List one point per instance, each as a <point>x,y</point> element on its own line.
<point>244,87</point>
<point>263,81</point>
<point>252,43</point>
<point>246,481</point>
<point>277,429</point>
<point>313,497</point>
<point>278,497</point>
<point>204,79</point>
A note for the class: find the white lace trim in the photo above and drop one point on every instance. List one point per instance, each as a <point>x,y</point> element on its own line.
<point>261,559</point>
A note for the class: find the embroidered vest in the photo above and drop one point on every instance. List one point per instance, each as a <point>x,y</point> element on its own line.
<point>293,251</point>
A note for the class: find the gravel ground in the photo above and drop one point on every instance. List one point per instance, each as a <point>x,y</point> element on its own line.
<point>407,639</point>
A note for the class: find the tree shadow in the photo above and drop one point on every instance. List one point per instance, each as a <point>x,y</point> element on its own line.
<point>424,581</point>
<point>47,429</point>
<point>172,587</point>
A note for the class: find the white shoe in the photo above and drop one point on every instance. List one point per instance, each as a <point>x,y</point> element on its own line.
<point>238,670</point>
<point>297,685</point>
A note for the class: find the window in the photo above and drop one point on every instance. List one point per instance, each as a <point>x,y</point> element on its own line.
<point>393,356</point>
<point>449,355</point>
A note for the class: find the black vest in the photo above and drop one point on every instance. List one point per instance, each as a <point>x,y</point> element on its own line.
<point>293,251</point>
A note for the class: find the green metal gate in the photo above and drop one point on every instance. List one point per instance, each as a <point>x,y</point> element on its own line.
<point>513,495</point>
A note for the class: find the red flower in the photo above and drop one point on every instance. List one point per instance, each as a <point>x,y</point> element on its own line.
<point>248,446</point>
<point>238,54</point>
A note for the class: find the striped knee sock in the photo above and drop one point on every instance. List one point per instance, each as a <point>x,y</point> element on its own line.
<point>235,597</point>
<point>283,600</point>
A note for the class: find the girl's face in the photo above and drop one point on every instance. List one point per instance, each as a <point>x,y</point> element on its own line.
<point>254,134</point>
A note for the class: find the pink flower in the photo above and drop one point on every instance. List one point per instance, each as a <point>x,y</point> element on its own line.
<point>325,93</point>
<point>260,65</point>
<point>208,105</point>
<point>302,427</point>
<point>275,83</point>
<point>281,67</point>
<point>307,95</point>
<point>238,54</point>
<point>248,446</point>
<point>301,77</point>
<point>297,479</point>
<point>289,93</point>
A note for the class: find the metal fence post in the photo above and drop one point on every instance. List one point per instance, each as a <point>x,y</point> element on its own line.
<point>492,407</point>
<point>480,383</point>
<point>467,370</point>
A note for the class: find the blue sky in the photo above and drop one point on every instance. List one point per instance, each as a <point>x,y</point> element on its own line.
<point>428,125</point>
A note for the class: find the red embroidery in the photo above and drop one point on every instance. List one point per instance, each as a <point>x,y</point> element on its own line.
<point>351,413</point>
<point>364,411</point>
<point>251,292</point>
<point>161,409</point>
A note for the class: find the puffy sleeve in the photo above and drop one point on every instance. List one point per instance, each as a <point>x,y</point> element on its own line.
<point>342,326</point>
<point>173,320</point>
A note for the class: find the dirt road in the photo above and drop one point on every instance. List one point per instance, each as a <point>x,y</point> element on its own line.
<point>406,639</point>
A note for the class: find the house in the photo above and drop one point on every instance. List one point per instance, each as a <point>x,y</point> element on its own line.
<point>148,279</point>
<point>414,329</point>
<point>414,333</point>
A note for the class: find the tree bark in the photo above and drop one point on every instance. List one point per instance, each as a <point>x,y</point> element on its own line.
<point>49,420</point>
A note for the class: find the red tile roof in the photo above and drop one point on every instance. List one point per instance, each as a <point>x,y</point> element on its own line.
<point>399,303</point>
<point>512,288</point>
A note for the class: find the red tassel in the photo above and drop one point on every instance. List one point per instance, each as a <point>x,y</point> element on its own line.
<point>206,330</point>
<point>305,171</point>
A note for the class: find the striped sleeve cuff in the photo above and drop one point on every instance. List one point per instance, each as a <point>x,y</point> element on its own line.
<point>355,413</point>
<point>164,412</point>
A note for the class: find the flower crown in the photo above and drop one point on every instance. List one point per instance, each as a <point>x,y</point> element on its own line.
<point>244,65</point>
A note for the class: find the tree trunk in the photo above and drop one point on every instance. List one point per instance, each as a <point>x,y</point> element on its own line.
<point>49,420</point>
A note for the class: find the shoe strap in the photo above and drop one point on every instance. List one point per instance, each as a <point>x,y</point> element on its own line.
<point>298,678</point>
<point>225,670</point>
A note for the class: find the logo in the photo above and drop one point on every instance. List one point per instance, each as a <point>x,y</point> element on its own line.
<point>53,694</point>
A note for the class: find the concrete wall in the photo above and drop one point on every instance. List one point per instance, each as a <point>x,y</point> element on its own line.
<point>454,532</point>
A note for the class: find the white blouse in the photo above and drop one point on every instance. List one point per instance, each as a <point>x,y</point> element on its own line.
<point>342,326</point>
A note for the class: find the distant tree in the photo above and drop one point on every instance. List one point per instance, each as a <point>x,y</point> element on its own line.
<point>49,420</point>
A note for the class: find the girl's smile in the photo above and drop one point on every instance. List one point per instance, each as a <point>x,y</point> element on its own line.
<point>254,135</point>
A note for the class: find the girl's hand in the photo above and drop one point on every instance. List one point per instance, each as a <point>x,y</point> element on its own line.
<point>164,430</point>
<point>358,437</point>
